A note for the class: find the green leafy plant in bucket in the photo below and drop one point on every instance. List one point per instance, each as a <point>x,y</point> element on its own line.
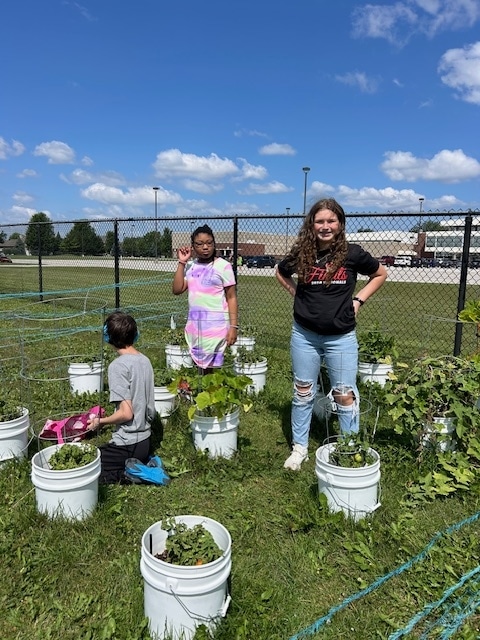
<point>188,546</point>
<point>214,394</point>
<point>71,456</point>
<point>351,450</point>
<point>376,347</point>
<point>9,410</point>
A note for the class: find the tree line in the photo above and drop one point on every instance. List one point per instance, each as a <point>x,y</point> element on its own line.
<point>82,239</point>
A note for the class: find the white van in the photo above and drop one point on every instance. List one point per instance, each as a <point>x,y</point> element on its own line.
<point>403,260</point>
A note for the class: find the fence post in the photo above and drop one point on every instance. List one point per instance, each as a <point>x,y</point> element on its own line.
<point>116,258</point>
<point>40,268</point>
<point>457,347</point>
<point>235,246</point>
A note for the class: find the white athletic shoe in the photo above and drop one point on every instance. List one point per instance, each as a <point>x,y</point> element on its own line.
<point>294,461</point>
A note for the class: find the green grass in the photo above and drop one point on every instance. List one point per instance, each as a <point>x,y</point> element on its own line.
<point>292,561</point>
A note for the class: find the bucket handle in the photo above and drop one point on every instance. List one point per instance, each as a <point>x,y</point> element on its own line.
<point>221,614</point>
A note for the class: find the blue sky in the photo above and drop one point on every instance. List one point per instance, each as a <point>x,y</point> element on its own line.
<point>222,103</point>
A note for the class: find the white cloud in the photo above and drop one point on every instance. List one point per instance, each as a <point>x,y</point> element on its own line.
<point>175,164</point>
<point>445,166</point>
<point>252,172</point>
<point>27,173</point>
<point>399,21</point>
<point>270,187</point>
<point>56,152</point>
<point>360,80</point>
<point>383,21</point>
<point>276,149</point>
<point>86,161</point>
<point>132,197</point>
<point>81,176</point>
<point>26,212</point>
<point>460,70</point>
<point>7,150</point>
<point>239,133</point>
<point>22,198</point>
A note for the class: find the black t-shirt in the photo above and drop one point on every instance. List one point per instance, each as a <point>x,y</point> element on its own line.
<point>328,310</point>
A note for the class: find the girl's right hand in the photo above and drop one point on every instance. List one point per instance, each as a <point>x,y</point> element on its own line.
<point>184,253</point>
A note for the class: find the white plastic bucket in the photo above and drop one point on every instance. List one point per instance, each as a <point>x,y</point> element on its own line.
<point>178,599</point>
<point>440,434</point>
<point>177,357</point>
<point>351,490</point>
<point>14,437</point>
<point>164,401</point>
<point>257,371</point>
<point>219,436</point>
<point>71,493</point>
<point>374,372</point>
<point>248,342</point>
<point>85,378</point>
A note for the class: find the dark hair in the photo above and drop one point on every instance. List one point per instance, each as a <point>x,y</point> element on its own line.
<point>120,330</point>
<point>203,229</point>
<point>304,252</point>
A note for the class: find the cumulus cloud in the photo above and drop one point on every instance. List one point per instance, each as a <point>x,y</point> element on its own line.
<point>276,149</point>
<point>175,164</point>
<point>86,161</point>
<point>132,197</point>
<point>7,150</point>
<point>252,172</point>
<point>27,173</point>
<point>445,166</point>
<point>383,21</point>
<point>56,152</point>
<point>360,80</point>
<point>460,70</point>
<point>201,187</point>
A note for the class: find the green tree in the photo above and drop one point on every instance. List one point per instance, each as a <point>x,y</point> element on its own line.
<point>19,248</point>
<point>428,225</point>
<point>40,236</point>
<point>2,236</point>
<point>166,243</point>
<point>82,240</point>
<point>109,241</point>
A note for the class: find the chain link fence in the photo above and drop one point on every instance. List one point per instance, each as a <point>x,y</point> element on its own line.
<point>432,258</point>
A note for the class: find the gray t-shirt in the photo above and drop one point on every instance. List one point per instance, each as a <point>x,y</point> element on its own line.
<point>130,377</point>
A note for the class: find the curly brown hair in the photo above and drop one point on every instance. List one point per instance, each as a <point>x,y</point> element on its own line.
<point>303,253</point>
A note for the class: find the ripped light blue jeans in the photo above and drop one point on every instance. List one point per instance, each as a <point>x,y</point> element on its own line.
<point>340,354</point>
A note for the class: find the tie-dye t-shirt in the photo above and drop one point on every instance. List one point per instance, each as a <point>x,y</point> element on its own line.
<point>208,320</point>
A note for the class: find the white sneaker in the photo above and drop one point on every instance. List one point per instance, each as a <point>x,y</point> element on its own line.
<point>294,461</point>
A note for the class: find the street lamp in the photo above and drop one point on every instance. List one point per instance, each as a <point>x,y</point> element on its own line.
<point>286,233</point>
<point>305,171</point>
<point>155,190</point>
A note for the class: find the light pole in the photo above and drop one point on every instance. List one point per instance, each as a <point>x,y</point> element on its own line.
<point>419,239</point>
<point>305,171</point>
<point>155,191</point>
<point>286,233</point>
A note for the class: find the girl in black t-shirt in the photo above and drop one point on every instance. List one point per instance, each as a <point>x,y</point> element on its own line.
<point>324,312</point>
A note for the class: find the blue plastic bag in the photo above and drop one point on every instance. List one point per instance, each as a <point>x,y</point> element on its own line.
<point>150,473</point>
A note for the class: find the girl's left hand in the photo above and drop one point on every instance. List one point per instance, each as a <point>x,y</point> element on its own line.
<point>231,336</point>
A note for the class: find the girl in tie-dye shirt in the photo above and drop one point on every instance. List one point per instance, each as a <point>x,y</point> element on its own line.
<point>212,299</point>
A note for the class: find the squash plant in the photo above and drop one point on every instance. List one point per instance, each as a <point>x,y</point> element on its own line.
<point>10,409</point>
<point>440,387</point>
<point>376,347</point>
<point>213,394</point>
<point>188,546</point>
<point>351,450</point>
<point>246,356</point>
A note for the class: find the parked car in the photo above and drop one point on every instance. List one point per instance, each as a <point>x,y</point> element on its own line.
<point>261,261</point>
<point>403,261</point>
<point>447,263</point>
<point>4,258</point>
<point>387,260</point>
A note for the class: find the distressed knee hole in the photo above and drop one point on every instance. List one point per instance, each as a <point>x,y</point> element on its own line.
<point>304,390</point>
